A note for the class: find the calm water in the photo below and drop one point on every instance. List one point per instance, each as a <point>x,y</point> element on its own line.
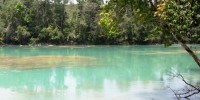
<point>93,72</point>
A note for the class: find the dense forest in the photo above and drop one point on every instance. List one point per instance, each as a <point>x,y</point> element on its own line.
<point>99,22</point>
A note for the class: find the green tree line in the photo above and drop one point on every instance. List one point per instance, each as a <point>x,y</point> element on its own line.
<point>49,22</point>
<point>96,22</point>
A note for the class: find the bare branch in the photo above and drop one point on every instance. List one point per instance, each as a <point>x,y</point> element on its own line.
<point>188,83</point>
<point>196,92</point>
<point>188,91</point>
<point>174,92</point>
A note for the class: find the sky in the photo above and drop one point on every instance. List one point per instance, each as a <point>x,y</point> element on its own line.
<point>73,1</point>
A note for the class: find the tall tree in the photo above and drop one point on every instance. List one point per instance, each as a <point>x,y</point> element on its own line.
<point>180,20</point>
<point>87,21</point>
<point>131,19</point>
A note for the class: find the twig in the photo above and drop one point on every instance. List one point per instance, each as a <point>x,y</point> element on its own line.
<point>174,93</point>
<point>188,92</point>
<point>188,83</point>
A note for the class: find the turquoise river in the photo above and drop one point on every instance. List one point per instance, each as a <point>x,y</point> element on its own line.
<point>94,72</point>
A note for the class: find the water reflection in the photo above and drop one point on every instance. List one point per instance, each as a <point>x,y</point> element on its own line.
<point>78,84</point>
<point>70,82</point>
<point>114,73</point>
<point>111,89</point>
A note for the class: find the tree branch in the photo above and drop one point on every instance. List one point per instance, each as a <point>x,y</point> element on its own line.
<point>194,56</point>
<point>185,93</point>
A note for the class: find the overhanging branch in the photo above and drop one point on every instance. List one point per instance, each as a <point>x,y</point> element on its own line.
<point>194,56</point>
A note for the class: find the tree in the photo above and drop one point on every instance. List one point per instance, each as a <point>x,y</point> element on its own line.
<point>22,35</point>
<point>129,20</point>
<point>7,19</point>
<point>85,21</point>
<point>176,20</point>
<point>180,20</point>
<point>51,34</point>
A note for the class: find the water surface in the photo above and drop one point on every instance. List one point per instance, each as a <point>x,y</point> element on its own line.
<point>93,72</point>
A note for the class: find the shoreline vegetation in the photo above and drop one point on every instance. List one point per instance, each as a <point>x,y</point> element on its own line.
<point>93,22</point>
<point>96,22</point>
<point>193,46</point>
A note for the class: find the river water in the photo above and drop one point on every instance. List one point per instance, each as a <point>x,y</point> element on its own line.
<point>94,72</point>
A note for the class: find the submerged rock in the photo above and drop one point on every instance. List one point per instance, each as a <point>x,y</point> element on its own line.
<point>46,62</point>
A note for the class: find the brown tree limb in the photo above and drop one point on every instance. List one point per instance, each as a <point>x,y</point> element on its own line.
<point>194,56</point>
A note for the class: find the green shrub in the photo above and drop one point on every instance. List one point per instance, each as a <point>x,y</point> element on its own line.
<point>33,41</point>
<point>51,34</point>
<point>22,35</point>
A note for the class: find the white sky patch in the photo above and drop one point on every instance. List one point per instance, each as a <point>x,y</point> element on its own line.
<point>72,1</point>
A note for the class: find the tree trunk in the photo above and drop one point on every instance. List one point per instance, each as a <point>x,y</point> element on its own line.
<point>194,56</point>
<point>4,1</point>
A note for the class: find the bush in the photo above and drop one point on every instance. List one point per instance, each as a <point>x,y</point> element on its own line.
<point>51,34</point>
<point>33,41</point>
<point>22,35</point>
